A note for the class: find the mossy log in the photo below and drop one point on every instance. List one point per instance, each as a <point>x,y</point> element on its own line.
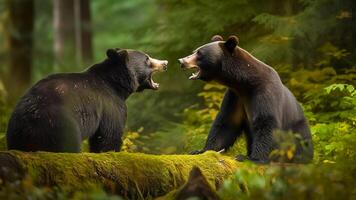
<point>131,175</point>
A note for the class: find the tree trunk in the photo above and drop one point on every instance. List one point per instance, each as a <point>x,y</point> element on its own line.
<point>73,34</point>
<point>84,35</point>
<point>64,32</point>
<point>131,175</point>
<point>19,39</point>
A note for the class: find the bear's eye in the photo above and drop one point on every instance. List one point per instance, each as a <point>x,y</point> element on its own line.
<point>198,53</point>
<point>148,62</point>
<point>199,56</point>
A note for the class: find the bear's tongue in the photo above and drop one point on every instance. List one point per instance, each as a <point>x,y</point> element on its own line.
<point>195,75</point>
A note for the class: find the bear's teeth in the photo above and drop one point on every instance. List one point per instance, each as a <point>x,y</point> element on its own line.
<point>155,85</point>
<point>194,76</point>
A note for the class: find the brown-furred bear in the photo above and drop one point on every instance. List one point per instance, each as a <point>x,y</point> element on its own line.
<point>256,102</point>
<point>62,110</point>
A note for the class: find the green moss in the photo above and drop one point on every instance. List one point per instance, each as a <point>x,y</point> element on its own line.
<point>84,146</point>
<point>131,175</point>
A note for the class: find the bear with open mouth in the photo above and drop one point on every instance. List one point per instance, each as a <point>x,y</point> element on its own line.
<point>256,102</point>
<point>62,110</point>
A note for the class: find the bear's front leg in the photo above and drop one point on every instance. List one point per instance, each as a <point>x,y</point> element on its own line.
<point>222,137</point>
<point>223,132</point>
<point>262,136</point>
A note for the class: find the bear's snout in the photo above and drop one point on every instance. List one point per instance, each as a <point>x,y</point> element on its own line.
<point>165,65</point>
<point>159,65</point>
<point>182,63</point>
<point>188,62</point>
<point>180,60</point>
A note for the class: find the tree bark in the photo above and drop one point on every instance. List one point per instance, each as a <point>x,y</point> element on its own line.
<point>19,39</point>
<point>64,32</point>
<point>131,175</point>
<point>73,34</point>
<point>85,32</point>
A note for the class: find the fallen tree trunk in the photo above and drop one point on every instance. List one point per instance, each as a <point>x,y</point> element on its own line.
<point>131,175</point>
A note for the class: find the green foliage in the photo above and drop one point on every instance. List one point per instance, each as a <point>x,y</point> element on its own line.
<point>27,189</point>
<point>163,141</point>
<point>129,142</point>
<point>118,25</point>
<point>329,53</point>
<point>197,120</point>
<point>332,112</point>
<point>285,143</point>
<point>335,102</point>
<point>304,27</point>
<point>283,182</point>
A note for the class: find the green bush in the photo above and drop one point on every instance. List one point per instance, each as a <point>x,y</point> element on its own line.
<point>332,113</point>
<point>324,181</point>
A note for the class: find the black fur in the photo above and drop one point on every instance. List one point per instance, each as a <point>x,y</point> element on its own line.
<point>256,102</point>
<point>60,111</point>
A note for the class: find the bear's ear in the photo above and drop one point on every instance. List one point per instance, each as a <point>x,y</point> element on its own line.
<point>216,38</point>
<point>112,54</point>
<point>117,55</point>
<point>231,43</point>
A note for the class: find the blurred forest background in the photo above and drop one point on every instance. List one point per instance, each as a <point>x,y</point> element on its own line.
<point>311,43</point>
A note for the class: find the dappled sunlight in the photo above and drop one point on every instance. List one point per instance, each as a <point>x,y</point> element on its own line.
<point>85,93</point>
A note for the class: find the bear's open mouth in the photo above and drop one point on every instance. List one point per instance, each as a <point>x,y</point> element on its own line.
<point>195,75</point>
<point>153,84</point>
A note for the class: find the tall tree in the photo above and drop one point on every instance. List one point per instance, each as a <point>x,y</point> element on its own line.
<point>83,31</point>
<point>73,36</point>
<point>19,37</point>
<point>64,32</point>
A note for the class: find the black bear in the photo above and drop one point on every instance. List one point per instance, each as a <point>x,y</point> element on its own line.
<point>256,102</point>
<point>61,110</point>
